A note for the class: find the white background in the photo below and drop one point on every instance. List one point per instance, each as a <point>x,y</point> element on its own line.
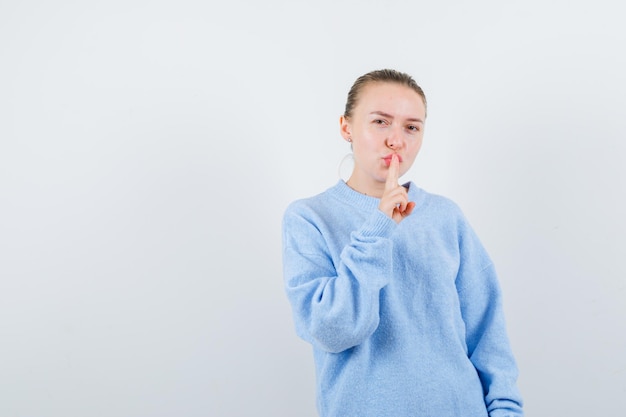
<point>149,148</point>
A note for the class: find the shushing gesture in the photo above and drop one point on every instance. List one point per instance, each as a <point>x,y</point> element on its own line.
<point>395,200</point>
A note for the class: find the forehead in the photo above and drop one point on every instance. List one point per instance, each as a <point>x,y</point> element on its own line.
<point>391,97</point>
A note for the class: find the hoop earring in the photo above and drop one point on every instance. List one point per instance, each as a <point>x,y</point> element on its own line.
<point>347,157</point>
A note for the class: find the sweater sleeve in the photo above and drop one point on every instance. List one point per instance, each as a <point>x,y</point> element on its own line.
<point>335,304</point>
<point>486,337</point>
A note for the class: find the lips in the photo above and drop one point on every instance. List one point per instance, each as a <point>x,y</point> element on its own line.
<point>387,158</point>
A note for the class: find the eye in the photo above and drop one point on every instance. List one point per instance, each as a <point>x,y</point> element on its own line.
<point>379,121</point>
<point>413,128</point>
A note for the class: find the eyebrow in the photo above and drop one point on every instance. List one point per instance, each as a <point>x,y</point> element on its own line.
<point>410,119</point>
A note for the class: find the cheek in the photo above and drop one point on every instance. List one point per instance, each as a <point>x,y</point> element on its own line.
<point>369,142</point>
<point>416,145</point>
<point>413,150</point>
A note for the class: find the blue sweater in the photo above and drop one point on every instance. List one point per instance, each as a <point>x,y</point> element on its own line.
<point>405,319</point>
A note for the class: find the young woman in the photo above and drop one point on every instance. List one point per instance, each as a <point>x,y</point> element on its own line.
<point>390,284</point>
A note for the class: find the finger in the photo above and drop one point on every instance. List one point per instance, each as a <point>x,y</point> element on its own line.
<point>401,199</point>
<point>409,209</point>
<point>392,174</point>
<point>402,203</point>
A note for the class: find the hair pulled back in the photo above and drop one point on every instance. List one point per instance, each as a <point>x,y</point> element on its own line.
<point>383,75</point>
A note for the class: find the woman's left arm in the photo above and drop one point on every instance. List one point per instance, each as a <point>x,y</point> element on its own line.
<point>488,345</point>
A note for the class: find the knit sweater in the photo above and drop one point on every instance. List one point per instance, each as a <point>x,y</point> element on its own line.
<point>404,319</point>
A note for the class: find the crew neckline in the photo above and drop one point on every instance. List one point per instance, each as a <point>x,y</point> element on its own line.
<point>344,192</point>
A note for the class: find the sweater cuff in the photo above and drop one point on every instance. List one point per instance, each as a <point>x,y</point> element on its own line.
<point>378,225</point>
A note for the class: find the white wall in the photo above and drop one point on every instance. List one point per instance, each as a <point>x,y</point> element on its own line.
<point>148,149</point>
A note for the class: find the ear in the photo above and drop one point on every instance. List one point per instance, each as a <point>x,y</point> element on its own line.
<point>345,128</point>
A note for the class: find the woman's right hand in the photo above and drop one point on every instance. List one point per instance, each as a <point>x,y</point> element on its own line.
<point>395,200</point>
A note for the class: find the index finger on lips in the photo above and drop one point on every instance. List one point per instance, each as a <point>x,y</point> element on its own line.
<point>392,173</point>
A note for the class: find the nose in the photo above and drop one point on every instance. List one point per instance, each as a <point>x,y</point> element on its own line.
<point>394,139</point>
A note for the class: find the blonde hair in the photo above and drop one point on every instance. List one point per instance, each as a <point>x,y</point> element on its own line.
<point>384,75</point>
